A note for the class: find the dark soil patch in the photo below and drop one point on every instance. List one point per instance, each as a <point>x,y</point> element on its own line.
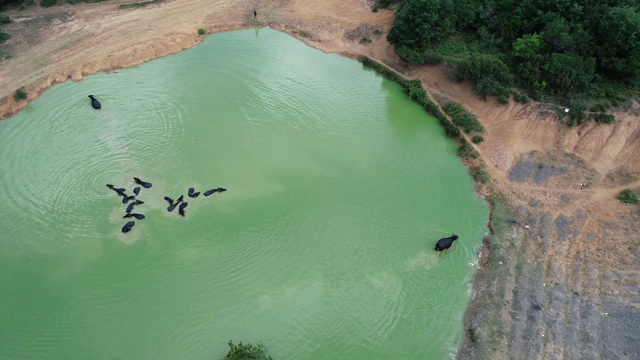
<point>364,31</point>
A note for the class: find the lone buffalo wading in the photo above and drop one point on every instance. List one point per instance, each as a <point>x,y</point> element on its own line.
<point>446,243</point>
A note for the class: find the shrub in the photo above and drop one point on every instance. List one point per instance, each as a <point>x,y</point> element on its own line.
<point>603,118</point>
<point>452,48</point>
<point>477,139</point>
<point>600,107</point>
<point>576,114</point>
<point>4,37</point>
<point>466,151</point>
<point>247,352</point>
<point>365,40</point>
<point>467,121</point>
<point>410,55</point>
<point>4,19</point>
<point>489,74</point>
<point>48,3</point>
<point>521,98</point>
<point>431,57</point>
<point>138,4</point>
<point>628,197</point>
<point>480,174</point>
<point>20,94</point>
<point>503,98</point>
<point>201,31</point>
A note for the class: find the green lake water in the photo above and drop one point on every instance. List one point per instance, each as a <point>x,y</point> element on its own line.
<point>322,247</point>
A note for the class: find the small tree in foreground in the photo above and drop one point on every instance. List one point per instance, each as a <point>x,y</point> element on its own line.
<point>247,352</point>
<point>627,196</point>
<point>20,95</point>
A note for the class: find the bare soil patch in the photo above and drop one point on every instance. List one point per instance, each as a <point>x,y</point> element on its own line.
<point>559,276</point>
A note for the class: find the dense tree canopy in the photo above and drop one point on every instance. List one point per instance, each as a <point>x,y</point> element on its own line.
<point>563,48</point>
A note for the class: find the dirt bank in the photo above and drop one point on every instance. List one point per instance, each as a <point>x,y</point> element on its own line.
<point>560,276</point>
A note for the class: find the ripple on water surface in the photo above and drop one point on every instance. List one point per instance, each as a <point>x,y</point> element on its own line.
<point>339,187</point>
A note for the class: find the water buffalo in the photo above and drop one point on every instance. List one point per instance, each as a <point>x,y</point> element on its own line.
<point>182,207</point>
<point>169,200</point>
<point>125,198</point>
<point>137,216</point>
<point>144,184</point>
<point>136,190</point>
<point>119,191</point>
<point>127,227</point>
<point>179,200</point>
<point>446,243</point>
<point>95,103</point>
<point>172,207</point>
<point>138,202</point>
<point>213,191</point>
<point>130,207</point>
<point>192,193</point>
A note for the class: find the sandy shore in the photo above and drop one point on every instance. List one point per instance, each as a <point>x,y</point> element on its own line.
<point>560,276</point>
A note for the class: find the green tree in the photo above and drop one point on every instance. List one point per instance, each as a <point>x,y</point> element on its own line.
<point>527,46</point>
<point>420,22</point>
<point>557,36</point>
<point>568,74</point>
<point>247,352</point>
<point>619,40</point>
<point>489,74</point>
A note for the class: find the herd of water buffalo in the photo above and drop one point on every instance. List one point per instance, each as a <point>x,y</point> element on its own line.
<point>179,202</point>
<point>441,245</point>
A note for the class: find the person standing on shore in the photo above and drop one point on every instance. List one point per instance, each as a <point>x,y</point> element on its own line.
<point>255,14</point>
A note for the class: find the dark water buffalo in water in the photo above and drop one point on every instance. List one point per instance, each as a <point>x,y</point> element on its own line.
<point>136,190</point>
<point>192,193</point>
<point>130,207</point>
<point>125,198</point>
<point>144,184</point>
<point>446,243</point>
<point>137,216</point>
<point>169,200</point>
<point>182,207</point>
<point>119,191</point>
<point>127,227</point>
<point>95,103</point>
<point>172,207</point>
<point>179,200</point>
<point>213,191</point>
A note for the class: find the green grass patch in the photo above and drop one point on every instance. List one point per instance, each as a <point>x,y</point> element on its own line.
<point>4,37</point>
<point>138,4</point>
<point>628,197</point>
<point>452,48</point>
<point>461,117</point>
<point>603,118</point>
<point>201,31</point>
<point>48,3</point>
<point>4,19</point>
<point>365,40</point>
